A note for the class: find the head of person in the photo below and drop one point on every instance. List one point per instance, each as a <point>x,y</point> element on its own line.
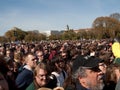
<point>8,52</point>
<point>31,60</point>
<point>61,63</point>
<point>57,64</point>
<point>40,55</point>
<point>64,54</point>
<point>117,39</point>
<point>87,72</point>
<point>41,74</point>
<point>102,66</point>
<point>3,73</point>
<point>112,73</point>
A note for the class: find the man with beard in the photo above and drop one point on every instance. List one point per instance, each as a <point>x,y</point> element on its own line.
<point>87,74</point>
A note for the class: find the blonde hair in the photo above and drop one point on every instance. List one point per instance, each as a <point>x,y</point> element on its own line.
<point>58,88</point>
<point>43,66</point>
<point>17,57</point>
<point>43,88</point>
<point>110,73</point>
<point>27,55</point>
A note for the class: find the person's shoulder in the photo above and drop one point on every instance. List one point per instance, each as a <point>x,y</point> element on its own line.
<point>118,85</point>
<point>31,87</point>
<point>116,43</point>
<point>25,72</point>
<point>56,74</point>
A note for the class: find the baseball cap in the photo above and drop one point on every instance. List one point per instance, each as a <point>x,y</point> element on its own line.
<point>89,63</point>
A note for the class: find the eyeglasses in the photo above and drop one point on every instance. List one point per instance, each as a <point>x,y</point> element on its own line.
<point>34,59</point>
<point>40,55</point>
<point>64,56</point>
<point>42,75</point>
<point>102,64</point>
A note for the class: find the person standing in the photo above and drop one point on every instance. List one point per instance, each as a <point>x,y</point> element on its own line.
<point>25,77</point>
<point>40,55</point>
<point>42,77</point>
<point>116,50</point>
<point>86,73</point>
<point>3,83</point>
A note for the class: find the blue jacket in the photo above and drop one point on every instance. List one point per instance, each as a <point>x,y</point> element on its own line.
<point>24,79</point>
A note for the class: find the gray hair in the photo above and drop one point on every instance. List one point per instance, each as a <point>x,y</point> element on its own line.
<point>80,72</point>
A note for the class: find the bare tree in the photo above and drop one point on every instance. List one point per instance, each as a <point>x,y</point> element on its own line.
<point>116,16</point>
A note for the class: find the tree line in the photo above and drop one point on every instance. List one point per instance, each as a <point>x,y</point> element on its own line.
<point>103,27</point>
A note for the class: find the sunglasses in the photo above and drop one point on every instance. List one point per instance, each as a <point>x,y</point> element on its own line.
<point>39,55</point>
<point>34,59</point>
<point>42,75</point>
<point>102,64</point>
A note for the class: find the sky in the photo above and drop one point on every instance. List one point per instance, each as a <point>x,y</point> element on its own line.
<point>46,15</point>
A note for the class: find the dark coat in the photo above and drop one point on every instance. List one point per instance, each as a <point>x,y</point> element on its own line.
<point>24,79</point>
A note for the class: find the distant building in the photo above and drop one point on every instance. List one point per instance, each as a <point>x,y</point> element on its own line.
<point>56,32</point>
<point>36,31</point>
<point>87,29</point>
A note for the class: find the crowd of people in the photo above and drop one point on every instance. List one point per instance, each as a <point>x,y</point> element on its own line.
<point>60,65</point>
